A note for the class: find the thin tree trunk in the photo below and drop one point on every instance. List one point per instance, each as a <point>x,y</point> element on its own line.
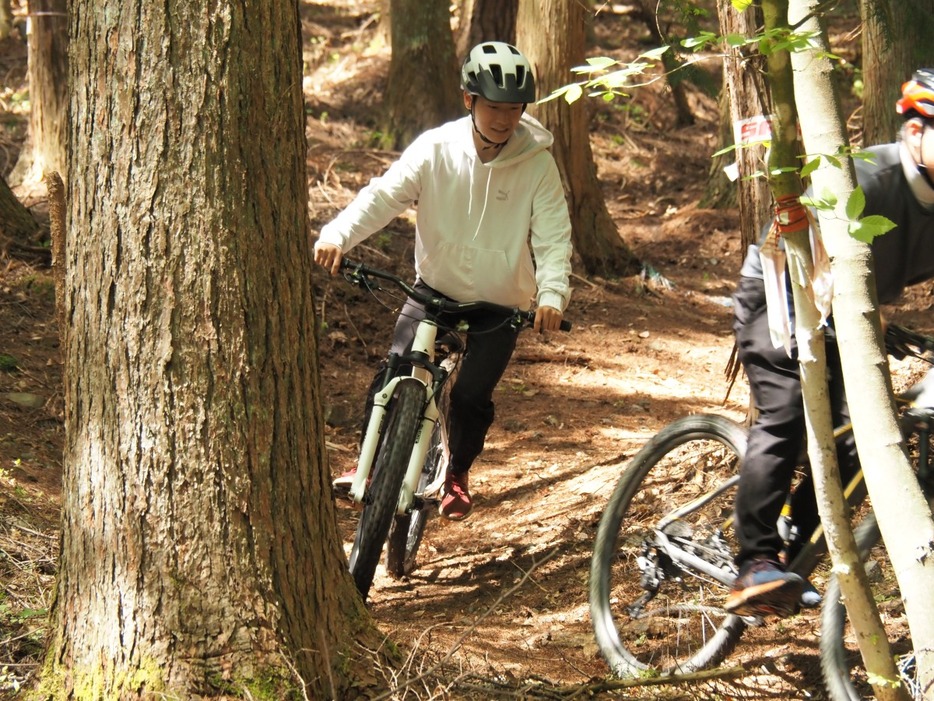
<point>903,513</point>
<point>48,81</point>
<point>646,12</point>
<point>749,99</point>
<point>6,19</point>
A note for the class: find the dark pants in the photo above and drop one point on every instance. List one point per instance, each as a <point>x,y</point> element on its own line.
<point>777,437</point>
<point>490,344</point>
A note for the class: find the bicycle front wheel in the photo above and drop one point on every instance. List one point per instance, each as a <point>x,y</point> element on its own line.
<point>402,423</point>
<point>654,609</point>
<point>405,536</point>
<point>835,657</point>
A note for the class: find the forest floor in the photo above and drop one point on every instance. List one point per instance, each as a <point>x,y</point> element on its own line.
<point>505,592</point>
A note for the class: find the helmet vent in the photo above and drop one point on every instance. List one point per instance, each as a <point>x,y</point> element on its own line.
<point>520,76</point>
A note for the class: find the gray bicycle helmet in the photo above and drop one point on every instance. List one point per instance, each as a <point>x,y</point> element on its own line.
<point>499,72</point>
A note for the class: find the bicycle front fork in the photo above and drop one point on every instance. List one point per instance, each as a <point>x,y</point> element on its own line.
<point>371,440</point>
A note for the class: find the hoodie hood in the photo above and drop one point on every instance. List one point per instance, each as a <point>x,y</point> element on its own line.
<point>529,138</point>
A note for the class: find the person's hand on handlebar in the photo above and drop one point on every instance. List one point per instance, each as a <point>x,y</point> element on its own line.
<point>547,319</point>
<point>328,256</point>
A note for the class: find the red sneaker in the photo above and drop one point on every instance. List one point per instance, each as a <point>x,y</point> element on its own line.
<point>456,504</point>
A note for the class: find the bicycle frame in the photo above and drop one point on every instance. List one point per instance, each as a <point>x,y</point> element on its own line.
<point>914,421</point>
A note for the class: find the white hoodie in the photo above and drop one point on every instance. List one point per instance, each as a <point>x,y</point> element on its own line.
<point>474,220</point>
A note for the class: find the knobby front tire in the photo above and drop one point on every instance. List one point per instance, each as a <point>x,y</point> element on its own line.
<point>835,661</point>
<point>405,536</point>
<point>683,627</point>
<point>402,423</point>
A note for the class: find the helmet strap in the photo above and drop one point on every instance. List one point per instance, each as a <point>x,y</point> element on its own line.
<point>922,166</point>
<point>473,120</point>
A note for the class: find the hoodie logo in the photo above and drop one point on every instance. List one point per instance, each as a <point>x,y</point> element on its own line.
<point>502,195</point>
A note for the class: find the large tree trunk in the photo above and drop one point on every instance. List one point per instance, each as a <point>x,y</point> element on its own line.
<point>423,89</point>
<point>893,46</point>
<point>897,500</point>
<point>200,551</point>
<point>486,20</point>
<point>551,33</point>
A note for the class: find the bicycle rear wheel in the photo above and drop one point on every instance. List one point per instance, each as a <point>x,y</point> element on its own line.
<point>650,611</point>
<point>402,423</point>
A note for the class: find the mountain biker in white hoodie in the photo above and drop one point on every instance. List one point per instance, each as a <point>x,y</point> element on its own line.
<point>488,197</point>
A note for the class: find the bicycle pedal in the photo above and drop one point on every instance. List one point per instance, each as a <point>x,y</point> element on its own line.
<point>428,503</point>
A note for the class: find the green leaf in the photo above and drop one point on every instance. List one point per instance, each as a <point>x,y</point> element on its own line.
<point>700,41</point>
<point>855,204</point>
<point>810,167</point>
<point>828,197</point>
<point>602,62</point>
<point>867,228</point>
<point>573,93</point>
<point>826,202</point>
<point>654,54</point>
<point>740,5</point>
<point>880,681</point>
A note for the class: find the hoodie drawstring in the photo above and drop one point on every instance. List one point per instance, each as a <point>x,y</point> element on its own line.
<point>486,199</point>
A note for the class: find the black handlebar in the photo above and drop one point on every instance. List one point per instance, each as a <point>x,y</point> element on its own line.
<point>362,275</point>
<point>901,342</point>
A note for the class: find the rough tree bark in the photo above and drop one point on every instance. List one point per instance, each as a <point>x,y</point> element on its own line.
<point>200,553</point>
<point>744,81</point>
<point>48,82</point>
<point>895,42</point>
<point>423,89</point>
<point>551,33</point>
<point>486,20</point>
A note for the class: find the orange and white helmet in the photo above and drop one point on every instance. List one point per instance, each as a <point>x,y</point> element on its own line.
<point>917,98</point>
